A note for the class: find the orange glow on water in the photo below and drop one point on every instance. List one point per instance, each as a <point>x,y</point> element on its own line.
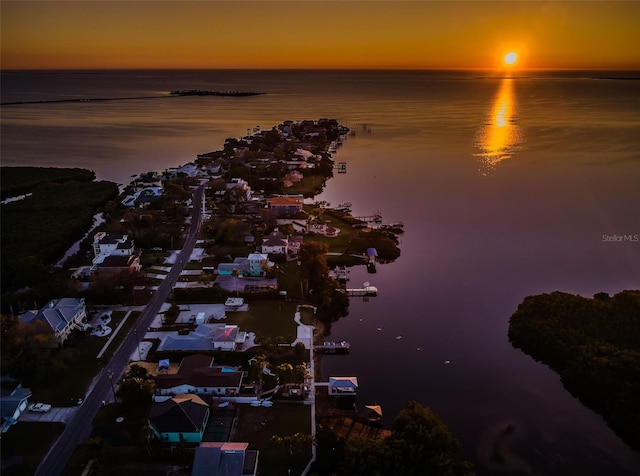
<point>499,137</point>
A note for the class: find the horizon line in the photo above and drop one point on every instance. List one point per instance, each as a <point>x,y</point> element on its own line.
<point>495,70</point>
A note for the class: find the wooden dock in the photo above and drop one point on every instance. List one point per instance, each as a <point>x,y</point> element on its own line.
<point>366,291</point>
<point>341,347</point>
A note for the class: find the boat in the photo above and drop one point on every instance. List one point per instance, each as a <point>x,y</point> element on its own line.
<point>341,347</point>
<point>234,302</point>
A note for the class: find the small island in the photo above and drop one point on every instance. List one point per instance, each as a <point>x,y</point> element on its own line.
<point>200,92</point>
<point>594,345</point>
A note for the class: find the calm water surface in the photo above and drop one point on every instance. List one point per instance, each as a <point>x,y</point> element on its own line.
<point>505,187</point>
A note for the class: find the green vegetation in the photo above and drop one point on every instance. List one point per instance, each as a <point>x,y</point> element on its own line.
<point>594,345</point>
<point>37,230</point>
<point>290,424</point>
<point>419,444</point>
<point>22,180</point>
<point>323,292</point>
<point>136,388</point>
<point>351,240</point>
<point>57,376</point>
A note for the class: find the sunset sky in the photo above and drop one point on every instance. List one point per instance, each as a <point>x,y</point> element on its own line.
<point>319,34</point>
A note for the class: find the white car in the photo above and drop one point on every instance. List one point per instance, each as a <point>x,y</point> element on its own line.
<point>39,407</point>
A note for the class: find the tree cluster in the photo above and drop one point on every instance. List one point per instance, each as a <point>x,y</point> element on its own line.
<point>420,444</point>
<point>594,345</point>
<point>20,180</point>
<point>324,292</point>
<point>38,230</point>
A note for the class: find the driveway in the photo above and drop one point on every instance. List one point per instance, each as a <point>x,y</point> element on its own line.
<point>61,414</point>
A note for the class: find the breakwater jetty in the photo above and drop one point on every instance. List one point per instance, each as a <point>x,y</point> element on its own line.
<point>200,92</point>
<point>172,94</point>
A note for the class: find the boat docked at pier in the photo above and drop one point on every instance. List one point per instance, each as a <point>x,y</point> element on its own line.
<point>327,347</point>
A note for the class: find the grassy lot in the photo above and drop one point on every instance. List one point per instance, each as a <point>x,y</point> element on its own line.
<point>309,186</point>
<point>128,460</point>
<point>25,444</point>
<point>256,426</point>
<point>269,319</point>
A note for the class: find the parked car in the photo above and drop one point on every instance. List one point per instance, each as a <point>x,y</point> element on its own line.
<point>39,407</point>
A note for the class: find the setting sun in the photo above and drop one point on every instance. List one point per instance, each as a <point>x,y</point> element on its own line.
<point>510,58</point>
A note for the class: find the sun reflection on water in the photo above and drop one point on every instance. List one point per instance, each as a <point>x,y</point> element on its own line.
<point>499,137</point>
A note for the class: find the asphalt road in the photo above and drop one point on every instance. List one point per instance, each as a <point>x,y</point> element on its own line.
<point>78,428</point>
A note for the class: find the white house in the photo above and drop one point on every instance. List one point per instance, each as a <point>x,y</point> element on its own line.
<point>275,243</point>
<point>107,244</point>
<point>114,252</point>
<point>198,374</point>
<point>60,316</point>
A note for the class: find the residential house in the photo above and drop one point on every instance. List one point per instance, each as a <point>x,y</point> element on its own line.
<point>116,264</point>
<point>182,418</point>
<point>275,243</point>
<point>198,374</point>
<point>240,185</point>
<point>285,206</point>
<point>114,253</point>
<point>147,179</point>
<point>255,264</point>
<point>224,459</point>
<point>109,244</point>
<point>205,337</point>
<point>13,401</point>
<point>59,316</point>
<point>343,385</point>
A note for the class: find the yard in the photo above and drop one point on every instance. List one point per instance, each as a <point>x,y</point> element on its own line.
<point>80,353</point>
<point>27,443</point>
<point>256,426</point>
<point>269,319</point>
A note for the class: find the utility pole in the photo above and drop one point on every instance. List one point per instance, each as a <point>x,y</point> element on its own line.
<point>135,332</point>
<point>113,390</point>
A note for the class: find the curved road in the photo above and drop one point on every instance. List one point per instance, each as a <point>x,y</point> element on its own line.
<point>78,428</point>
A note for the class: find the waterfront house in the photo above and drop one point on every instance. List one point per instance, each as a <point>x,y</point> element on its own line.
<point>343,385</point>
<point>59,317</point>
<point>198,374</point>
<point>13,401</point>
<point>205,337</point>
<point>224,459</point>
<point>182,418</point>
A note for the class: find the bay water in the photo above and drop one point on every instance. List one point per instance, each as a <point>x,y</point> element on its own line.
<point>506,187</point>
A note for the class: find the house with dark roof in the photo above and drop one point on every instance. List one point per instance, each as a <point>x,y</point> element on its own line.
<point>116,264</point>
<point>343,385</point>
<point>224,459</point>
<point>275,243</point>
<point>59,316</point>
<point>197,374</point>
<point>205,337</point>
<point>182,418</point>
<point>13,401</point>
